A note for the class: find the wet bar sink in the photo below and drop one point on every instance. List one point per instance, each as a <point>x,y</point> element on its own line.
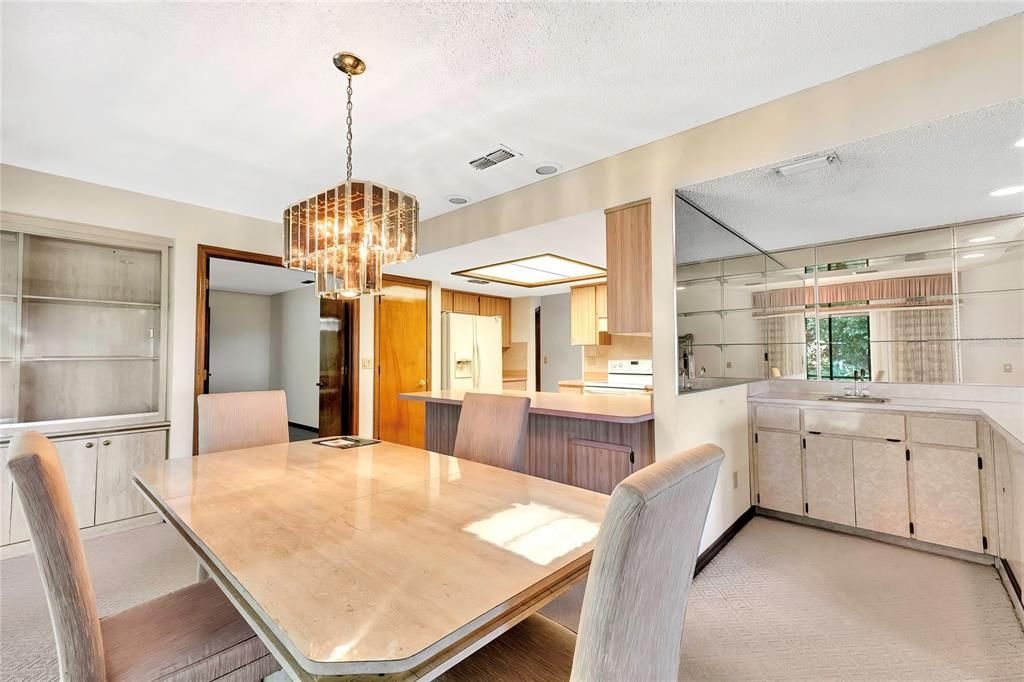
<point>853,399</point>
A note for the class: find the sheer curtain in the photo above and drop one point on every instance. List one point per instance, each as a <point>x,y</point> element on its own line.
<point>786,337</point>
<point>912,346</point>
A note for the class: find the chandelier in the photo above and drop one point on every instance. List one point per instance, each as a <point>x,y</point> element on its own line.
<point>347,234</point>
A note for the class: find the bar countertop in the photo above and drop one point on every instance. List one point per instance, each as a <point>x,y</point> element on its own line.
<point>623,409</point>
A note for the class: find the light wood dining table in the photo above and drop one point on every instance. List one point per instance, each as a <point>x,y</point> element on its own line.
<point>383,560</point>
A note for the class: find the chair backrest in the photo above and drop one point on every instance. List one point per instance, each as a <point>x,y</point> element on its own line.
<point>631,626</point>
<point>50,514</point>
<point>492,430</point>
<point>232,421</point>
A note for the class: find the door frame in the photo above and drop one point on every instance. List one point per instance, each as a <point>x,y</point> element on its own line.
<point>204,252</point>
<point>397,279</point>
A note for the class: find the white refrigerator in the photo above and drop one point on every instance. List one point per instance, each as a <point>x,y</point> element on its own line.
<point>470,352</point>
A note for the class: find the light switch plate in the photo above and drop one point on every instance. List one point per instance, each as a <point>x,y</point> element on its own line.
<point>1007,368</point>
<point>366,363</point>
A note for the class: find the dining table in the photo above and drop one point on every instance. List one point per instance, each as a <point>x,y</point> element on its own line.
<point>384,560</point>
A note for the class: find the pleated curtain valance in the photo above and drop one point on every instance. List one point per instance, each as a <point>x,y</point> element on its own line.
<point>900,289</point>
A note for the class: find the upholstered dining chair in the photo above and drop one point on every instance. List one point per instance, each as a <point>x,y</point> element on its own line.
<point>492,430</point>
<point>631,627</point>
<point>232,421</point>
<point>192,635</point>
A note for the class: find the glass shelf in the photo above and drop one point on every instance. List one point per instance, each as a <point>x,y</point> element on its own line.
<point>88,358</point>
<point>90,301</point>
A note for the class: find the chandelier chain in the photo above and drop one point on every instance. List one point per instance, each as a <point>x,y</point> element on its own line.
<point>348,134</point>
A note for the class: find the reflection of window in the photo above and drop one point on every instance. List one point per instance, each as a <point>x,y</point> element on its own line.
<point>843,265</point>
<point>843,348</point>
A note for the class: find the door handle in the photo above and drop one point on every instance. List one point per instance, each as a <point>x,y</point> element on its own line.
<point>320,384</point>
<point>89,444</point>
<point>423,382</point>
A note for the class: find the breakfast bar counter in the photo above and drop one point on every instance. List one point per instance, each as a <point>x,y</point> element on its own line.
<point>590,441</point>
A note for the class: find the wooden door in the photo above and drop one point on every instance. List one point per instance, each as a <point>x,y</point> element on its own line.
<point>628,247</point>
<point>880,479</point>
<point>947,497</point>
<point>828,471</point>
<point>779,480</point>
<point>78,458</point>
<point>117,457</point>
<point>583,316</point>
<point>339,367</point>
<point>403,359</point>
<point>598,466</point>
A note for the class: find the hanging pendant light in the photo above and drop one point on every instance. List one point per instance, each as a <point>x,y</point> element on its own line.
<point>347,234</point>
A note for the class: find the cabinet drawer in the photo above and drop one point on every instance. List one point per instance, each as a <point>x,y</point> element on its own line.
<point>848,423</point>
<point>960,433</point>
<point>772,417</point>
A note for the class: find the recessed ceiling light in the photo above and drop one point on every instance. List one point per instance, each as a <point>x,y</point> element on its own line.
<point>1019,143</point>
<point>973,255</point>
<point>809,164</point>
<point>978,240</point>
<point>535,271</point>
<point>1007,191</point>
<point>547,168</point>
<point>458,199</point>
<point>680,288</point>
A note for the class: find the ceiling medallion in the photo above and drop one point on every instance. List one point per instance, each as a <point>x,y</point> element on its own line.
<point>347,234</point>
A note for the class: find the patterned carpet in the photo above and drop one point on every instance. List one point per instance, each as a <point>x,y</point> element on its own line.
<point>781,602</point>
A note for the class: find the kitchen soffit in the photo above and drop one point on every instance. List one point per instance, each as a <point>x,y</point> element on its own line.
<point>535,271</point>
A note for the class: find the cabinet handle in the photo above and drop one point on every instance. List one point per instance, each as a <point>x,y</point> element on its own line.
<point>106,442</point>
<point>89,444</point>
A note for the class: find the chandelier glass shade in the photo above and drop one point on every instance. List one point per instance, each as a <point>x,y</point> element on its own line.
<point>347,234</point>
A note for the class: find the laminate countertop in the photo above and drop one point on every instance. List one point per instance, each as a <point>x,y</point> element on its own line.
<point>1007,417</point>
<point>623,409</point>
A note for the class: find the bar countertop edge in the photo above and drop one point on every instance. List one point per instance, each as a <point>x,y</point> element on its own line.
<point>623,409</point>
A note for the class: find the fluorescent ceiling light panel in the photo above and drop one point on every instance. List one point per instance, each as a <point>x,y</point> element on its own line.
<point>535,271</point>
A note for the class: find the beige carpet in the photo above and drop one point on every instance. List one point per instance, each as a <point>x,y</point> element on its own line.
<point>780,602</point>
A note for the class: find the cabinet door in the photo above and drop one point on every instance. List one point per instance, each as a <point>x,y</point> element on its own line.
<point>116,495</point>
<point>6,490</point>
<point>583,316</point>
<point>880,479</point>
<point>947,497</point>
<point>447,305</point>
<point>828,467</point>
<point>601,296</point>
<point>465,303</point>
<point>78,458</point>
<point>779,480</point>
<point>628,250</point>
<point>598,466</point>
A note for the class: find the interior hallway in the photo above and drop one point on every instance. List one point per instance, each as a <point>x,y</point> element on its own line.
<point>781,601</point>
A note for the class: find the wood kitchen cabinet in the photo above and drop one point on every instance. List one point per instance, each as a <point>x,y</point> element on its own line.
<point>946,494</point>
<point>463,302</point>
<point>447,303</point>
<point>78,458</point>
<point>599,466</point>
<point>117,456</point>
<point>499,307</point>
<point>779,464</point>
<point>880,479</point>
<point>588,327</point>
<point>628,246</point>
<point>828,473</point>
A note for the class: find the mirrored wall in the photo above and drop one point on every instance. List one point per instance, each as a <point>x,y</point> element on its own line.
<point>934,305</point>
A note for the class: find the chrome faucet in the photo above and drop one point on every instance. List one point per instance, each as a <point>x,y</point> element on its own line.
<point>686,360</point>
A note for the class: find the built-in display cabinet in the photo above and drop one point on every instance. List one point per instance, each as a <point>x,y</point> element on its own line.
<point>926,477</point>
<point>83,329</point>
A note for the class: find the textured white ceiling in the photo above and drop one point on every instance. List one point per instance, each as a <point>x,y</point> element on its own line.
<point>934,174</point>
<point>236,106</point>
<point>580,237</point>
<point>254,278</point>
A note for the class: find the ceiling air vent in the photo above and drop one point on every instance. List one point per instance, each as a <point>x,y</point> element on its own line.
<point>493,159</point>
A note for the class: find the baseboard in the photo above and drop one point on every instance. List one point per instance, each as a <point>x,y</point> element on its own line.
<point>297,425</point>
<point>715,547</point>
<point>1012,587</point>
<point>25,546</point>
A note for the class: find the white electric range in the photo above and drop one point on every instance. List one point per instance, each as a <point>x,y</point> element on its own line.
<point>624,377</point>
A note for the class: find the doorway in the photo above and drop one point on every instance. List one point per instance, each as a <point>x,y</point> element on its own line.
<point>402,358</point>
<point>260,326</point>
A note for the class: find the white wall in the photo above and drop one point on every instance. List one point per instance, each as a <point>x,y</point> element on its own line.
<point>560,360</point>
<point>239,342</point>
<point>295,352</point>
<point>523,332</point>
<point>59,198</point>
<point>974,70</point>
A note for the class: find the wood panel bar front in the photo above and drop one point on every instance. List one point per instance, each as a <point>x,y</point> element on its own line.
<point>550,440</point>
